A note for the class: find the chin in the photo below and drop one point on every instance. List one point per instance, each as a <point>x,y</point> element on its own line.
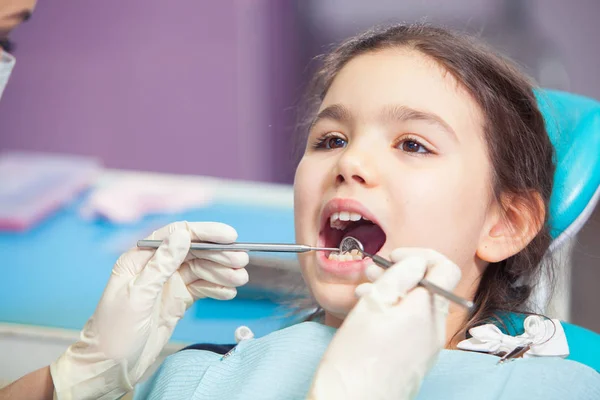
<point>334,294</point>
<point>336,299</point>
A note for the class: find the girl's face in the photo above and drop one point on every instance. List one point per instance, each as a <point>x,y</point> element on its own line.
<point>396,158</point>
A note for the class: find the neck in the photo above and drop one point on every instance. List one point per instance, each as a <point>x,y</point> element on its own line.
<point>457,317</point>
<point>332,320</point>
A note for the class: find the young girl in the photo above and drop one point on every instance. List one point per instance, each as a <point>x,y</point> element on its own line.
<point>419,139</point>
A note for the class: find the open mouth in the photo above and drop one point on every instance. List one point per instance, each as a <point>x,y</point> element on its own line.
<point>351,223</point>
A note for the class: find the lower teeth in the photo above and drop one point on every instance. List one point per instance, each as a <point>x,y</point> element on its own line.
<point>353,255</point>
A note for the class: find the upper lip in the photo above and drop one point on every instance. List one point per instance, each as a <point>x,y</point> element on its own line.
<point>346,204</point>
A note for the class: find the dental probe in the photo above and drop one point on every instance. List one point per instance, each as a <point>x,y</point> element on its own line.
<point>266,247</point>
<point>350,243</point>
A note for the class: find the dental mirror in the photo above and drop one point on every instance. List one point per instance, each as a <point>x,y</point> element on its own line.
<point>350,243</point>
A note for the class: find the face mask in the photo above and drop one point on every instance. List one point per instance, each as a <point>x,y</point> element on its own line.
<point>7,62</point>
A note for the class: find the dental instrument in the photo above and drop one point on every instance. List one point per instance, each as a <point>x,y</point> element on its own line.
<point>263,247</point>
<point>350,243</point>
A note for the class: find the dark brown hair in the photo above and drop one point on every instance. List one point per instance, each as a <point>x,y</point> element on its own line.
<point>519,148</point>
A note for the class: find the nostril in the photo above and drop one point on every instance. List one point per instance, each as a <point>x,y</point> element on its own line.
<point>357,178</point>
<point>339,179</point>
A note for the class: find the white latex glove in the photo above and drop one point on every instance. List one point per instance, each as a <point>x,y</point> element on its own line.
<point>391,338</point>
<point>146,295</point>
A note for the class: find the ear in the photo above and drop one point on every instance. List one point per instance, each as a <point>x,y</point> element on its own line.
<point>511,225</point>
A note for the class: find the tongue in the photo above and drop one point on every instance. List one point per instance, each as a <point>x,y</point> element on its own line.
<point>370,235</point>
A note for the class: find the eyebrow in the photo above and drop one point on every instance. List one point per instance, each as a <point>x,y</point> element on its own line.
<point>335,112</point>
<point>404,113</point>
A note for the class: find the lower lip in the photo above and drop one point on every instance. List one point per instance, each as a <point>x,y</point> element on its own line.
<point>342,267</point>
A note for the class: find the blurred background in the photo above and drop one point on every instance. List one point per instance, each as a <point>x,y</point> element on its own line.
<point>212,88</point>
<point>182,87</point>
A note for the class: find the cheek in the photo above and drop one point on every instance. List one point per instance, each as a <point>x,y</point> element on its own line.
<point>306,197</point>
<point>442,208</point>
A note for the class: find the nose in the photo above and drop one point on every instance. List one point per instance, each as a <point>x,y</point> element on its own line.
<point>356,166</point>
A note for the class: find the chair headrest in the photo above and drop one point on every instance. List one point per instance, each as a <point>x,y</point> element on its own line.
<point>573,124</point>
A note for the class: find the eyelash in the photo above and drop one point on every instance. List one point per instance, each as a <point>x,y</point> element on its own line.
<point>409,138</point>
<point>321,143</point>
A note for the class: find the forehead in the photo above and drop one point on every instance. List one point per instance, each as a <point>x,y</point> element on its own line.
<point>403,77</point>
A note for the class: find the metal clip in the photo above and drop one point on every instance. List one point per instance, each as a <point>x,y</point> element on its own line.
<point>241,333</point>
<point>516,352</point>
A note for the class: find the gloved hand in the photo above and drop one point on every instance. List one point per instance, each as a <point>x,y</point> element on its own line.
<point>146,295</point>
<point>391,338</point>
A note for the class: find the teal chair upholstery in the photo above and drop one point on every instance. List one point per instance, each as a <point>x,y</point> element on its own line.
<point>573,124</point>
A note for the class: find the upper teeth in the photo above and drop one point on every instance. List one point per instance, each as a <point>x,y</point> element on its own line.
<point>337,217</point>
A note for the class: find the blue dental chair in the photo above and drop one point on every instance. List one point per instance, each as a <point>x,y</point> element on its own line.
<point>573,124</point>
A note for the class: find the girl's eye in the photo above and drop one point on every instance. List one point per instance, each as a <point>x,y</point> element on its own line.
<point>330,142</point>
<point>412,146</point>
